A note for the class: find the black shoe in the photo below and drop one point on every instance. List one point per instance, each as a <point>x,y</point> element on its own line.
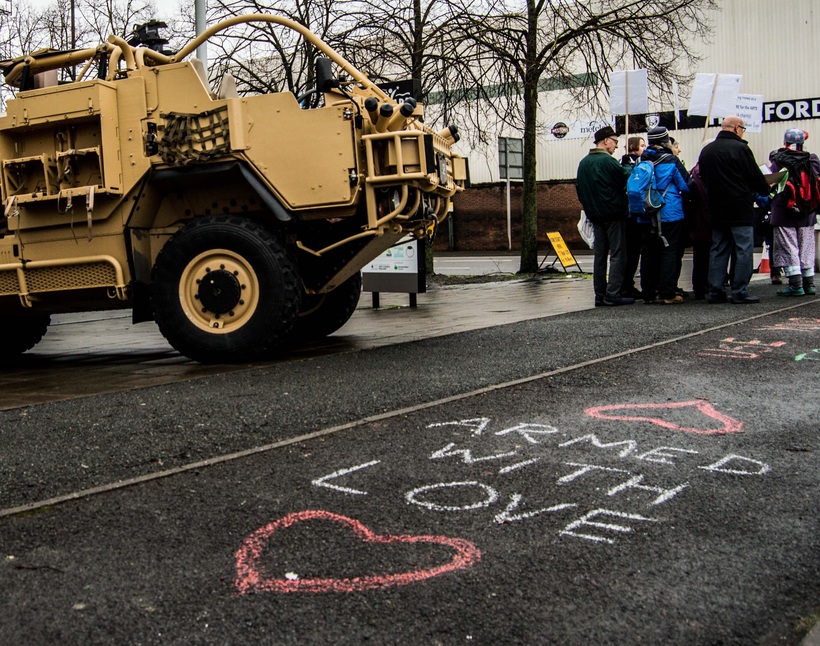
<point>618,300</point>
<point>699,296</point>
<point>599,302</point>
<point>632,293</point>
<point>712,299</point>
<point>746,300</point>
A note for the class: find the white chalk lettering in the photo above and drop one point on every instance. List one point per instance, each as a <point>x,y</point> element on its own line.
<point>585,521</point>
<point>476,425</point>
<point>506,516</point>
<point>527,431</point>
<point>490,496</point>
<point>466,455</point>
<point>635,483</point>
<point>660,454</point>
<point>720,466</point>
<point>629,445</point>
<point>518,465</point>
<point>585,468</point>
<point>322,482</point>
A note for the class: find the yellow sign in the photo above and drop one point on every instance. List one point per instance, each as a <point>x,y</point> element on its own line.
<point>561,250</point>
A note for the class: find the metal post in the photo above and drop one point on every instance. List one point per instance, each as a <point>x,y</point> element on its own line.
<point>200,9</point>
<point>73,38</point>
<point>507,176</point>
<point>509,217</point>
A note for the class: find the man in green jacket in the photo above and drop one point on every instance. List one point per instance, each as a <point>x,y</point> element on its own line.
<point>601,187</point>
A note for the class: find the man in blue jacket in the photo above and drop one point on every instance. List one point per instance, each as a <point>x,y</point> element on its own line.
<point>601,187</point>
<point>732,178</point>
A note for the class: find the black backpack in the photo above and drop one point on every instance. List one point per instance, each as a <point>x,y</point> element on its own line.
<point>802,188</point>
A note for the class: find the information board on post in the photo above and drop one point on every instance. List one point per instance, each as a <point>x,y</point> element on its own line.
<point>399,269</point>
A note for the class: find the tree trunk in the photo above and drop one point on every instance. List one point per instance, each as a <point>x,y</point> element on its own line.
<point>529,210</point>
<point>529,206</point>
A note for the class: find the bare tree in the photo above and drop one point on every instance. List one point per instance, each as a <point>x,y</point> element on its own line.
<point>21,32</point>
<point>28,29</point>
<point>392,41</point>
<point>102,18</point>
<point>265,57</point>
<point>508,51</point>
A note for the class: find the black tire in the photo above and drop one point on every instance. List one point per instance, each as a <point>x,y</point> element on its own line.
<point>323,314</point>
<point>21,333</point>
<point>225,290</point>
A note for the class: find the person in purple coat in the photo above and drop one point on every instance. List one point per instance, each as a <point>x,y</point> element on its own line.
<point>793,223</point>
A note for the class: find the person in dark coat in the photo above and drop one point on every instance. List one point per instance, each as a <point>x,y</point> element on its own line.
<point>700,233</point>
<point>634,148</point>
<point>732,178</point>
<point>601,187</point>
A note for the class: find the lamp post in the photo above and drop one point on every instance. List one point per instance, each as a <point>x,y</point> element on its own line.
<point>200,8</point>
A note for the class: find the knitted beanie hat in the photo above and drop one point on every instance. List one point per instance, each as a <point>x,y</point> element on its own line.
<point>658,135</point>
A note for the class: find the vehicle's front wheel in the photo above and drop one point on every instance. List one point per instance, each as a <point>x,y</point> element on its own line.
<point>225,290</point>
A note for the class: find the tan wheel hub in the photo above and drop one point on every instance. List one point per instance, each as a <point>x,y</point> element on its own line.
<point>219,291</point>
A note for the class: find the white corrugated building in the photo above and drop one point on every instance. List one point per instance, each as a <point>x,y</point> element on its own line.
<point>771,44</point>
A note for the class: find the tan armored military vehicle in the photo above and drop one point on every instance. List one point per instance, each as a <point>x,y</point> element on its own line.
<point>237,223</point>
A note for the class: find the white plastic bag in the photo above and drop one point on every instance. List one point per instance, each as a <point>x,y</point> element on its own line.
<point>586,230</point>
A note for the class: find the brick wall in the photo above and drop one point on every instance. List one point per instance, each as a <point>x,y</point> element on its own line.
<point>479,218</point>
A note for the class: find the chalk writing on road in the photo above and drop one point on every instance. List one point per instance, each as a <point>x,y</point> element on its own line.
<point>795,325</point>
<point>251,576</point>
<point>811,355</point>
<point>732,348</point>
<point>507,460</point>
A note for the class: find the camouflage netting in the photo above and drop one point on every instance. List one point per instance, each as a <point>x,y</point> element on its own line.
<point>189,138</point>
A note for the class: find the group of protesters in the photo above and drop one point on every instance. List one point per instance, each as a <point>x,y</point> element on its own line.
<point>714,209</point>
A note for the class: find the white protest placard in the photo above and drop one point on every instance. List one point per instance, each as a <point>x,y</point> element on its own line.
<point>628,92</point>
<point>750,109</point>
<point>714,95</point>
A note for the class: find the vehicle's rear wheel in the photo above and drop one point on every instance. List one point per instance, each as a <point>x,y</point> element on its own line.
<point>323,314</point>
<point>225,290</point>
<point>21,333</point>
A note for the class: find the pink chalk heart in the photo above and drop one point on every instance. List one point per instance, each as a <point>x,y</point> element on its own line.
<point>729,425</point>
<point>249,579</point>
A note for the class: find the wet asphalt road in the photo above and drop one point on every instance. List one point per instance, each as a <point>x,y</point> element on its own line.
<point>625,475</point>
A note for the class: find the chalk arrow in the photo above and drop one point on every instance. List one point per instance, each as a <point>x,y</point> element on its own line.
<point>322,482</point>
